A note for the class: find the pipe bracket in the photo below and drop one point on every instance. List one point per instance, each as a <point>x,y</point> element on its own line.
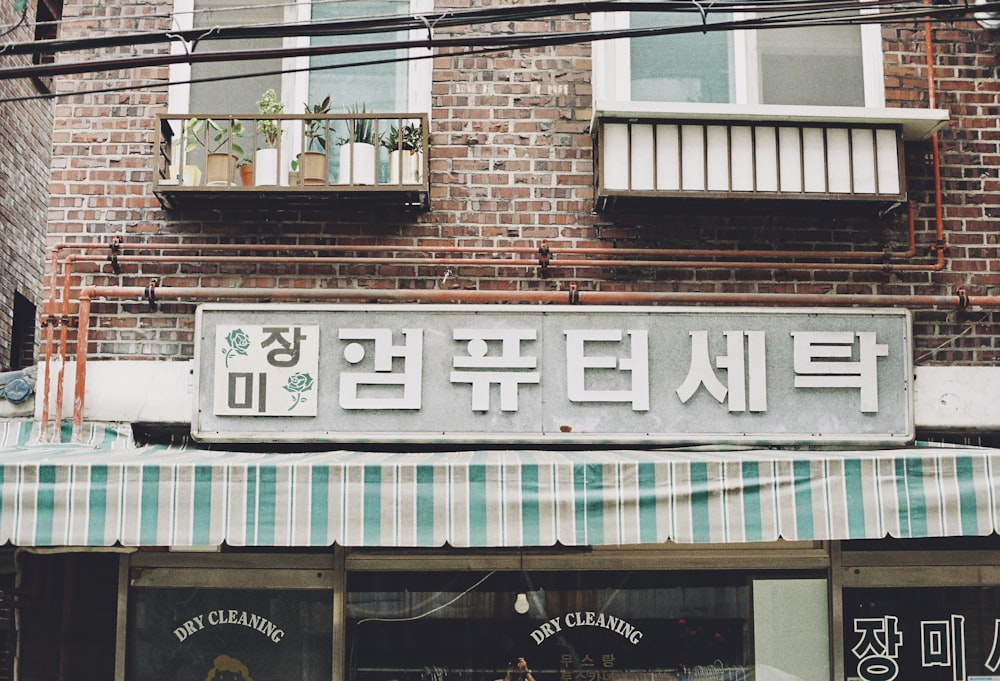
<point>574,294</point>
<point>963,299</point>
<point>115,246</point>
<point>149,293</point>
<point>544,257</point>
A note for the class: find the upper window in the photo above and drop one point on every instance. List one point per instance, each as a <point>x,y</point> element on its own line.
<point>813,65</point>
<point>48,14</point>
<point>394,85</point>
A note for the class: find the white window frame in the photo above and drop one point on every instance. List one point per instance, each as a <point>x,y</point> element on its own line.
<point>612,63</point>
<point>295,85</point>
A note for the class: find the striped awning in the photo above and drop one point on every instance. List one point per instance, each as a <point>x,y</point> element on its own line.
<point>111,491</point>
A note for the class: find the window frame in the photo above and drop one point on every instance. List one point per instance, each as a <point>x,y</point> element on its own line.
<point>612,63</point>
<point>48,16</point>
<point>295,85</point>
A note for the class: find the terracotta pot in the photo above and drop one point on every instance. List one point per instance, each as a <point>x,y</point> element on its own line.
<point>246,175</point>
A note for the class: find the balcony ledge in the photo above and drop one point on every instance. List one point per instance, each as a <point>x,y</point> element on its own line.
<point>914,124</point>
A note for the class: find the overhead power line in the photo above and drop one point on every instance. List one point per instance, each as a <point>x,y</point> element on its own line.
<point>393,21</point>
<point>430,21</point>
<point>806,14</point>
<point>464,19</point>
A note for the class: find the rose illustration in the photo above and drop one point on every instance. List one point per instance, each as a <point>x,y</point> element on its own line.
<point>298,383</point>
<point>238,343</point>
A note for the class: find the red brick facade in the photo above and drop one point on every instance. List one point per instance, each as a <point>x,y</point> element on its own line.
<point>24,176</point>
<point>512,164</point>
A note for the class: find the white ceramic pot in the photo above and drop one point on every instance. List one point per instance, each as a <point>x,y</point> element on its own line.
<point>405,164</point>
<point>265,166</point>
<point>361,168</point>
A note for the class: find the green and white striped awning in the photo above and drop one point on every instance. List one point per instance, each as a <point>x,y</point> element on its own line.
<point>110,491</point>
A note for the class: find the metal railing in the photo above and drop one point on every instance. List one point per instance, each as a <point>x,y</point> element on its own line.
<point>291,152</point>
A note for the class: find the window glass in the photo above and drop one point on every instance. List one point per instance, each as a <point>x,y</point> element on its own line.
<point>604,626</point>
<point>232,94</point>
<point>819,65</point>
<point>229,635</point>
<point>688,67</point>
<point>379,87</point>
<point>931,634</point>
<point>814,65</point>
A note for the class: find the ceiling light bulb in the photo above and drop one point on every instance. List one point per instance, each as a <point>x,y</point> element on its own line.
<point>521,604</point>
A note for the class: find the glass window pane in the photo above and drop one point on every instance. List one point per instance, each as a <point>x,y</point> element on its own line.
<point>605,626</point>
<point>692,67</point>
<point>819,65</point>
<point>230,94</point>
<point>232,634</point>
<point>380,87</point>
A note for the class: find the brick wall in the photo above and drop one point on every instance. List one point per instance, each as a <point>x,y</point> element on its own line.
<point>512,164</point>
<point>24,173</point>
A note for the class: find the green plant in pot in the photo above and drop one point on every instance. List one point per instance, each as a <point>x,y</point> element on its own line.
<point>266,158</point>
<point>245,168</point>
<point>405,144</point>
<point>180,170</point>
<point>218,139</point>
<point>357,150</point>
<point>313,160</point>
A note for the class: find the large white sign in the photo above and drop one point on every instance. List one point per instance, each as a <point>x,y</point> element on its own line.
<point>552,374</point>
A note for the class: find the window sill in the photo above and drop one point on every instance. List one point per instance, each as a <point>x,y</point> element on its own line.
<point>914,124</point>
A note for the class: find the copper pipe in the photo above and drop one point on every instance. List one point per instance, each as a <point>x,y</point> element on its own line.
<point>499,262</point>
<point>50,311</point>
<point>63,341</point>
<point>940,245</point>
<point>519,250</point>
<point>87,294</point>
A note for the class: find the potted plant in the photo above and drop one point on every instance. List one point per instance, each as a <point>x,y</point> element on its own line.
<point>313,159</point>
<point>221,150</point>
<point>266,157</point>
<point>357,151</point>
<point>293,173</point>
<point>179,171</point>
<point>245,166</point>
<point>405,145</point>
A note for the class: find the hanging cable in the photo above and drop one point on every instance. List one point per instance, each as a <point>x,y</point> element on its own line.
<point>531,41</point>
<point>523,41</point>
<point>468,18</point>
<point>22,7</point>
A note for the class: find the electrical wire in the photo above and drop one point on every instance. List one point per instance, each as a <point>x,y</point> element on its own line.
<point>20,22</point>
<point>465,19</point>
<point>505,41</point>
<point>427,613</point>
<point>521,42</point>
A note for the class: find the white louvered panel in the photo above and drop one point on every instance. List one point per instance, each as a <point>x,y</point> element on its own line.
<point>693,157</point>
<point>766,158</point>
<point>813,160</point>
<point>863,156</point>
<point>762,160</point>
<point>718,158</point>
<point>887,152</point>
<point>616,152</point>
<point>642,157</point>
<point>790,158</point>
<point>668,166</point>
<point>742,158</point>
<point>838,161</point>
